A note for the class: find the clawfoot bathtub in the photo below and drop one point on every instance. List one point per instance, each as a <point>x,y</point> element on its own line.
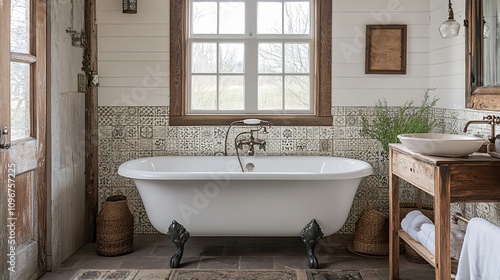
<point>276,196</point>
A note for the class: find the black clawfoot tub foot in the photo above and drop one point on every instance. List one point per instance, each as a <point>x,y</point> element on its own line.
<point>311,234</point>
<point>179,235</point>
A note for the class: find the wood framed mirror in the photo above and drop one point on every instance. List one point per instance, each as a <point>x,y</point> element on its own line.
<point>483,54</point>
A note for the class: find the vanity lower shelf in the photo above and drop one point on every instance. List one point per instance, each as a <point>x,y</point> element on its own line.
<point>422,251</point>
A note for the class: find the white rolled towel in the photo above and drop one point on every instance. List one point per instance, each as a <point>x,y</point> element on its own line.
<point>427,237</point>
<point>406,222</point>
<point>416,225</point>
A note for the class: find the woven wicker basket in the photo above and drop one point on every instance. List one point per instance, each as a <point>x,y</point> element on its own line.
<point>371,234</point>
<point>115,227</point>
<point>427,210</point>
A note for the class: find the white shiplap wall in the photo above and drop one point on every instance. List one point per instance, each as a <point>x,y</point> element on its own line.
<point>133,54</point>
<point>447,57</point>
<point>351,86</point>
<point>134,51</point>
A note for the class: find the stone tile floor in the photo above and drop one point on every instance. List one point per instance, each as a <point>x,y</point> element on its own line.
<point>153,252</point>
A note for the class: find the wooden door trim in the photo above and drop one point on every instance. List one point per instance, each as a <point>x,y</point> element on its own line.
<point>40,91</point>
<point>91,139</point>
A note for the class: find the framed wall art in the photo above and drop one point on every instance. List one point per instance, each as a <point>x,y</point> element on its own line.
<point>385,49</point>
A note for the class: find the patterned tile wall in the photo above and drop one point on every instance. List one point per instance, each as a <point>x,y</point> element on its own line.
<point>454,121</point>
<point>131,132</point>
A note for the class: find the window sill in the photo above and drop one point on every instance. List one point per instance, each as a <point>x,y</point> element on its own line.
<point>195,120</point>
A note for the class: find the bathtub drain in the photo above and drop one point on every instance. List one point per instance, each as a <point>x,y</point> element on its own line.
<point>250,167</point>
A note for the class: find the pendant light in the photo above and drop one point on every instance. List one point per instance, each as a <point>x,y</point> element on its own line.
<point>450,27</point>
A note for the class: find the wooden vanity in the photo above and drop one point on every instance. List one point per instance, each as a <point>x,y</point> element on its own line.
<point>475,178</point>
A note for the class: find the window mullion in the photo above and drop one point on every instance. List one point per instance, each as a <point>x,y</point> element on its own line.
<point>251,57</point>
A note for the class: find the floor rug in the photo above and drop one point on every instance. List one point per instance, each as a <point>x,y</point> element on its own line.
<point>109,274</point>
<point>233,275</point>
<point>333,275</point>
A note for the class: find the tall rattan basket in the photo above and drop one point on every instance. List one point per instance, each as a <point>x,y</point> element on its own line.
<point>115,227</point>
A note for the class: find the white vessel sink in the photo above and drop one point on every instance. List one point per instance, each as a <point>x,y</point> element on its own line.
<point>441,144</point>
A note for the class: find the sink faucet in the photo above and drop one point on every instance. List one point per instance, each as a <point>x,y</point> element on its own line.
<point>491,120</point>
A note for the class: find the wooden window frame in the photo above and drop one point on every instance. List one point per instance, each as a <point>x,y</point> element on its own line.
<point>323,74</point>
<point>478,96</point>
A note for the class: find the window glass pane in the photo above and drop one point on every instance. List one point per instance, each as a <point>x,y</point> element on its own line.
<point>204,58</point>
<point>20,26</point>
<point>232,18</point>
<point>204,92</point>
<point>231,93</point>
<point>271,58</point>
<point>297,18</point>
<point>20,117</point>
<point>297,58</point>
<point>204,18</point>
<point>270,93</point>
<point>297,93</point>
<point>231,58</point>
<point>269,18</point>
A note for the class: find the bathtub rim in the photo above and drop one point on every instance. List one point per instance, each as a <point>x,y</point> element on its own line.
<point>363,169</point>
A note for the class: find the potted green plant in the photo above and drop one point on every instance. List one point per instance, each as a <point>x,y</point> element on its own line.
<point>388,123</point>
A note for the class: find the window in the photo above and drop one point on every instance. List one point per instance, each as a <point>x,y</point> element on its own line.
<point>254,58</point>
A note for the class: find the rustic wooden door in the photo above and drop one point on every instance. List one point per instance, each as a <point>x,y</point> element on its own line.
<point>23,146</point>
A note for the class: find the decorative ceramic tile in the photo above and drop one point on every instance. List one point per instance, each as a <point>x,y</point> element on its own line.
<point>159,144</point>
<point>104,111</point>
<point>325,145</point>
<point>146,120</point>
<point>118,132</point>
<point>105,120</point>
<point>147,111</point>
<point>300,145</point>
<point>145,144</point>
<point>131,131</point>
<point>312,132</point>
<point>105,132</point>
<point>339,132</point>
<point>160,121</point>
<point>287,133</point>
<point>146,131</point>
<point>162,111</point>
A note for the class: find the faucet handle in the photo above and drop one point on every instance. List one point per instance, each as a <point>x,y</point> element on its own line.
<point>262,145</point>
<point>492,119</point>
<point>239,145</point>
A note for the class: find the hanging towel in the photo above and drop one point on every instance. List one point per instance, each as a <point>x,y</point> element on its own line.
<point>480,257</point>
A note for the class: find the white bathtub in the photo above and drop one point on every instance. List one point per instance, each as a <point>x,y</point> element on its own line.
<point>210,196</point>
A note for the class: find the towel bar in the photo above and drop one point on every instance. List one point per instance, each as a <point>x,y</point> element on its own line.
<point>458,216</point>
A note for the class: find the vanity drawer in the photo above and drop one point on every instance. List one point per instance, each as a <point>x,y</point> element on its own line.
<point>417,173</point>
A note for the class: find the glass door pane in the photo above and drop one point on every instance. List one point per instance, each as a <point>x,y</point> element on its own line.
<point>20,26</point>
<point>20,114</point>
